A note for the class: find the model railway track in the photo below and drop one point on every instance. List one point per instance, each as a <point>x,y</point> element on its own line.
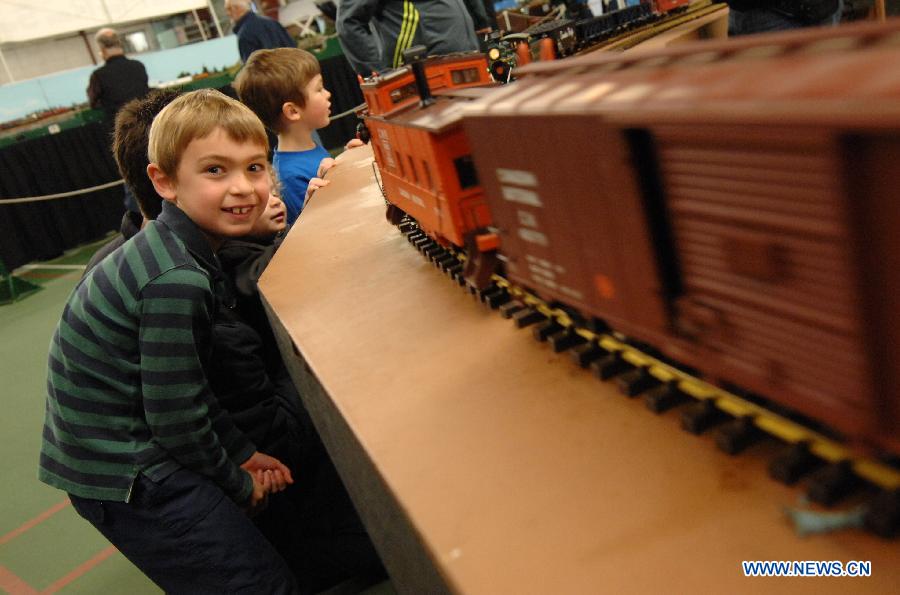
<point>629,39</point>
<point>833,470</point>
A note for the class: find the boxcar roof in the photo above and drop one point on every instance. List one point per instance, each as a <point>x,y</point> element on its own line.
<point>443,113</point>
<point>814,39</point>
<point>759,81</point>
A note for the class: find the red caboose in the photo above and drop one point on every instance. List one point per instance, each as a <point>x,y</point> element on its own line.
<point>421,151</point>
<point>729,202</point>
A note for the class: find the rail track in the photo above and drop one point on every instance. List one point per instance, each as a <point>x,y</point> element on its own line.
<point>832,470</point>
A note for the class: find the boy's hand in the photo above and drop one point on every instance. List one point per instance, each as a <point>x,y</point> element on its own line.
<point>262,466</point>
<point>260,496</point>
<point>315,184</point>
<point>354,142</point>
<point>324,166</point>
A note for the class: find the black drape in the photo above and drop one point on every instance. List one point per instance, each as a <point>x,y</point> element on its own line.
<point>340,79</point>
<point>80,158</point>
<point>70,160</point>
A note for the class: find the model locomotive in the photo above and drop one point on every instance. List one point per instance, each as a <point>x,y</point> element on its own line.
<point>730,203</point>
<point>564,37</point>
<point>567,36</point>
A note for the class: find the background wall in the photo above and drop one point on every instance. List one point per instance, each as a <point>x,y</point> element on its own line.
<point>67,88</point>
<point>30,60</point>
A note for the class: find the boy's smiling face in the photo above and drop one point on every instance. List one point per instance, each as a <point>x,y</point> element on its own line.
<point>222,185</point>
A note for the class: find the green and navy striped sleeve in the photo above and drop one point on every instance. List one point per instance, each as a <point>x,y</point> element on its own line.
<point>175,320</point>
<point>126,391</point>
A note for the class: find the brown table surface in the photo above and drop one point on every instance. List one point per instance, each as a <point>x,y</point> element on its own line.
<point>508,468</point>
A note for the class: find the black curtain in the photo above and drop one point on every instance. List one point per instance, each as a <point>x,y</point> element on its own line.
<point>80,158</point>
<point>340,78</point>
<point>70,160</point>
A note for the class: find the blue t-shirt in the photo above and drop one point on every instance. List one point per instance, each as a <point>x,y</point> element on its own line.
<point>295,169</point>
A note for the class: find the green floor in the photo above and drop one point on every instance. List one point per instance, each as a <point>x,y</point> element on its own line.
<point>45,547</point>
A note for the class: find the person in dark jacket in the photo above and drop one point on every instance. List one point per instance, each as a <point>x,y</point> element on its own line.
<point>114,84</point>
<point>132,127</point>
<point>762,16</point>
<point>315,528</point>
<point>256,32</point>
<point>119,80</point>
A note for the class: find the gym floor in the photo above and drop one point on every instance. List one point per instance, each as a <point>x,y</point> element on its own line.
<point>45,547</point>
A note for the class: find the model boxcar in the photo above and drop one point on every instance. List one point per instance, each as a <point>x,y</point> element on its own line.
<point>729,202</point>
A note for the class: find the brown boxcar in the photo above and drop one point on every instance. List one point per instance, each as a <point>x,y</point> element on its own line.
<point>728,202</point>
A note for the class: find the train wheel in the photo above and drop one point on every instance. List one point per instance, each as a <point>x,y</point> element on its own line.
<point>394,214</point>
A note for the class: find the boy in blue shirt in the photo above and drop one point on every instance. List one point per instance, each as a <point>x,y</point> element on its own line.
<point>284,87</point>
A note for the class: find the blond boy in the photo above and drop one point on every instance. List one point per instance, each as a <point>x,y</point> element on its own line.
<point>132,430</point>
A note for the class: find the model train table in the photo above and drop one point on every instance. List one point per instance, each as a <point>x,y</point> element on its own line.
<point>481,462</point>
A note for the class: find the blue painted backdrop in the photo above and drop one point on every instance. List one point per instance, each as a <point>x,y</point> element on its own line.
<point>67,88</point>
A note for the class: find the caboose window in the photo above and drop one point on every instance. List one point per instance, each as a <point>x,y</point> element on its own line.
<point>428,174</point>
<point>404,92</point>
<point>465,171</point>
<point>412,169</point>
<point>467,75</point>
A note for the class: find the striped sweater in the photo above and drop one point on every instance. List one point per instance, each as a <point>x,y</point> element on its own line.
<point>126,390</point>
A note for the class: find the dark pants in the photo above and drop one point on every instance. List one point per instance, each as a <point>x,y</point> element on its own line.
<point>188,537</point>
<point>745,22</point>
<point>313,524</point>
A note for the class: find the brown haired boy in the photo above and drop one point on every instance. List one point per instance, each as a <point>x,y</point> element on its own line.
<point>132,431</point>
<point>284,87</point>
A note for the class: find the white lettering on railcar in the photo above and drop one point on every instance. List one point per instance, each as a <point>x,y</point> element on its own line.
<point>573,293</point>
<point>527,219</point>
<point>520,177</point>
<point>535,237</point>
<point>521,196</point>
<point>543,262</point>
<point>545,282</point>
<point>386,148</point>
<point>537,270</point>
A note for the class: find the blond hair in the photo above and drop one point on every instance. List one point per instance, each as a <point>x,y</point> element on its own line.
<point>196,115</point>
<point>271,78</point>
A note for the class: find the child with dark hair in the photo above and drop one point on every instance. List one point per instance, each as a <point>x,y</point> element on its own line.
<point>132,127</point>
<point>313,524</point>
